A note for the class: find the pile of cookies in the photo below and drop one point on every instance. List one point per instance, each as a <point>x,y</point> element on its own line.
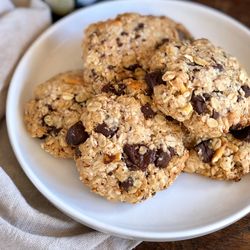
<point>150,102</point>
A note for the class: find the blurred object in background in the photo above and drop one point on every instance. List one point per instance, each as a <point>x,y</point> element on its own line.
<point>85,2</point>
<point>61,7</point>
<point>21,3</point>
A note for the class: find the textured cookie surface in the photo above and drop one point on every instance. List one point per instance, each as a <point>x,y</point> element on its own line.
<point>56,106</point>
<point>117,49</point>
<point>132,152</point>
<point>223,158</point>
<point>200,85</point>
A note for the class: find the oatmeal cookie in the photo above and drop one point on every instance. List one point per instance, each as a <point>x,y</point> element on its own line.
<point>200,85</point>
<point>132,151</point>
<point>118,48</point>
<point>57,105</point>
<point>223,158</point>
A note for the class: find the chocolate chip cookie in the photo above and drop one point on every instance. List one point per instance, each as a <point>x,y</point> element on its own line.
<point>223,158</point>
<point>118,48</point>
<point>56,106</point>
<point>200,85</point>
<point>131,152</point>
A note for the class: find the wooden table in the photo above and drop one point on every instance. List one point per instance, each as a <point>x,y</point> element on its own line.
<point>236,236</point>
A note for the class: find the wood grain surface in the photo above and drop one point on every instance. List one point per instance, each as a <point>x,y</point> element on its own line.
<point>236,236</point>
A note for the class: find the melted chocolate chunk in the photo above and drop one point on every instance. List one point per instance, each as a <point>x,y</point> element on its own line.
<point>206,96</point>
<point>163,158</point>
<point>147,111</point>
<point>219,67</point>
<point>140,26</point>
<point>246,89</point>
<point>239,98</point>
<point>169,118</point>
<point>78,153</point>
<point>215,115</point>
<point>198,104</point>
<point>163,41</point>
<point>125,185</point>
<point>136,161</point>
<point>242,134</point>
<point>50,107</point>
<point>124,33</point>
<point>137,36</point>
<point>76,134</point>
<point>93,72</point>
<point>218,92</point>
<point>54,131</point>
<point>105,130</point>
<point>133,67</point>
<point>204,151</point>
<point>118,89</point>
<point>111,67</point>
<point>43,137</point>
<point>152,79</point>
<point>118,41</point>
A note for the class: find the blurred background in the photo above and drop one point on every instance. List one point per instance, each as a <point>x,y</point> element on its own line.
<point>239,9</point>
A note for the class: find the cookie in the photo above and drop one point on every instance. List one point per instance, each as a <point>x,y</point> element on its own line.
<point>223,158</point>
<point>200,85</point>
<point>56,106</point>
<point>132,151</point>
<point>118,48</point>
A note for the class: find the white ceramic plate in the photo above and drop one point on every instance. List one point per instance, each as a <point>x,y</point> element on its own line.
<point>194,205</point>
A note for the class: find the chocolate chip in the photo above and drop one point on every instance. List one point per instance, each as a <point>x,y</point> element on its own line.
<point>242,134</point>
<point>93,72</point>
<point>54,131</point>
<point>78,152</point>
<point>132,67</point>
<point>118,89</point>
<point>105,130</point>
<point>50,108</point>
<point>111,67</point>
<point>204,151</point>
<point>103,41</point>
<point>136,161</point>
<point>43,137</point>
<point>147,111</point>
<point>169,118</point>
<point>239,98</point>
<point>140,26</point>
<point>215,115</point>
<point>182,35</point>
<point>198,104</point>
<point>163,41</point>
<point>125,185</point>
<point>124,33</point>
<point>206,96</point>
<point>76,134</point>
<point>236,127</point>
<point>137,36</point>
<point>218,66</point>
<point>218,91</point>
<point>163,158</point>
<point>154,78</point>
<point>118,41</point>
<point>246,89</point>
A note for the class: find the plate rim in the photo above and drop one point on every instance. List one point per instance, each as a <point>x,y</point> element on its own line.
<point>76,215</point>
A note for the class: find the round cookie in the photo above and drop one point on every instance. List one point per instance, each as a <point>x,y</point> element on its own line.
<point>200,85</point>
<point>223,158</point>
<point>131,153</point>
<point>118,48</point>
<point>57,104</point>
